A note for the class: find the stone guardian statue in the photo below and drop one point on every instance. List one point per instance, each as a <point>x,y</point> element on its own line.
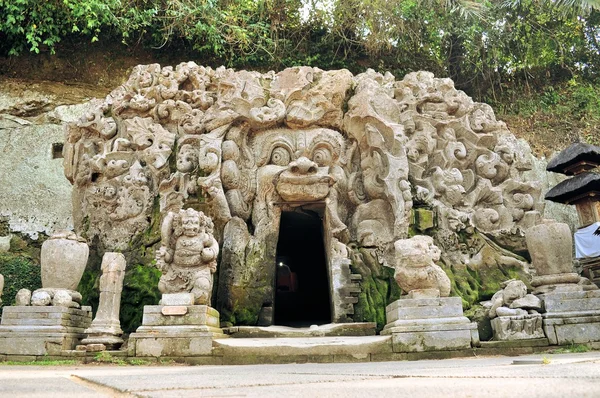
<point>188,255</point>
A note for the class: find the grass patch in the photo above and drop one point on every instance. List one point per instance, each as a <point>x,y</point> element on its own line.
<point>59,362</point>
<point>573,348</point>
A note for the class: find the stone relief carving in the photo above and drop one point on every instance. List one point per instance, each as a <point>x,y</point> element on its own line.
<point>244,146</point>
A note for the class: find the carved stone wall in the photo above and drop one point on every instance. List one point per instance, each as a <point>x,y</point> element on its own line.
<point>245,146</point>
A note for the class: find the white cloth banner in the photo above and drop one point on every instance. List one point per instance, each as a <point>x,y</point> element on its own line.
<point>587,244</point>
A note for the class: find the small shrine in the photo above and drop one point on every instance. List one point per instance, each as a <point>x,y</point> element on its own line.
<point>582,190</point>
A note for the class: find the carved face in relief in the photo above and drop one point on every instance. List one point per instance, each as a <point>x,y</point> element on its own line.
<point>300,162</point>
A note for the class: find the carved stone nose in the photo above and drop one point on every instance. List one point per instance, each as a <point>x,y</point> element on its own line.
<point>303,165</point>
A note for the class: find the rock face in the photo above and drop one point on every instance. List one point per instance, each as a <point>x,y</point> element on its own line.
<point>359,151</point>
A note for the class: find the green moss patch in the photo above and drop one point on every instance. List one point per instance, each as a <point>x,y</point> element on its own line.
<point>20,272</point>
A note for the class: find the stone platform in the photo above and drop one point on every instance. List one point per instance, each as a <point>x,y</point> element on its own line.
<point>42,330</point>
<point>176,331</point>
<point>572,316</point>
<point>330,329</point>
<point>429,324</point>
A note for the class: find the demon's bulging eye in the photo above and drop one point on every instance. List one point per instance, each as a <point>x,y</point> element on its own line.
<point>322,157</point>
<point>280,157</point>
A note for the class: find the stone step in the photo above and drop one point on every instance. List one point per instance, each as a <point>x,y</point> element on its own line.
<point>331,329</point>
<point>354,346</point>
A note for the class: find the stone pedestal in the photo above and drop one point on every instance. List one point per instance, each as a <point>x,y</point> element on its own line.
<point>519,327</point>
<point>42,330</point>
<point>176,331</point>
<point>572,316</point>
<point>429,324</point>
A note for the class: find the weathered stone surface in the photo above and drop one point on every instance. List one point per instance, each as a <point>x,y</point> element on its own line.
<point>1,287</point>
<point>23,297</point>
<point>188,255</point>
<point>177,299</point>
<point>405,309</point>
<point>529,302</point>
<point>62,298</point>
<point>41,298</point>
<point>551,248</point>
<point>415,266</point>
<point>432,340</point>
<point>106,327</point>
<point>63,258</point>
<point>575,301</point>
<point>174,310</point>
<point>255,145</point>
<point>572,330</point>
<point>194,315</point>
<point>95,347</point>
<point>42,330</point>
<point>36,197</point>
<point>517,327</point>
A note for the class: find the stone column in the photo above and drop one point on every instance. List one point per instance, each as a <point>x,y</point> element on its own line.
<point>571,303</point>
<point>106,327</point>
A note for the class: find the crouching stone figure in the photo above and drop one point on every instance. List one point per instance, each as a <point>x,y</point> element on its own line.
<point>188,255</point>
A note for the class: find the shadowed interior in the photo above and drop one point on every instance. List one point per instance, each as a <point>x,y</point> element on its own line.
<point>302,296</point>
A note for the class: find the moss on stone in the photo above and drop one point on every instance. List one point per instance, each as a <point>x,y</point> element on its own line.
<point>378,288</point>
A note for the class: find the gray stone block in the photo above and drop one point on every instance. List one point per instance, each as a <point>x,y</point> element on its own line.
<point>196,315</point>
<point>177,299</point>
<point>173,346</point>
<point>576,330</point>
<point>431,341</point>
<point>405,309</point>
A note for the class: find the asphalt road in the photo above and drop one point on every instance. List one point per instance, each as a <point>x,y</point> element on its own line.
<point>563,375</point>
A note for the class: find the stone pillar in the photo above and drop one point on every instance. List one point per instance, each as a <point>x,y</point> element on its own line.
<point>106,327</point>
<point>571,303</point>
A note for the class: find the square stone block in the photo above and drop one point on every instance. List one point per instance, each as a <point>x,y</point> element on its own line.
<point>173,345</point>
<point>572,330</point>
<point>196,315</point>
<point>406,309</point>
<point>441,340</point>
<point>581,302</point>
<point>177,299</point>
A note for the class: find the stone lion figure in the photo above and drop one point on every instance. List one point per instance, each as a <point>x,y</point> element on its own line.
<point>188,255</point>
<point>415,266</point>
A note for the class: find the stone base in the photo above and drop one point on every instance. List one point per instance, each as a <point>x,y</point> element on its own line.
<point>189,333</point>
<point>30,330</point>
<point>433,324</point>
<point>517,327</point>
<point>572,317</point>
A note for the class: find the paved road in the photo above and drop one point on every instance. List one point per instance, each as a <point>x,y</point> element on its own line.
<point>566,375</point>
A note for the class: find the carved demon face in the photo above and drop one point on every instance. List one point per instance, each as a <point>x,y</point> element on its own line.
<point>299,163</point>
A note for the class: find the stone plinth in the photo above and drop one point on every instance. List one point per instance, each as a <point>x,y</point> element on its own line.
<point>31,330</point>
<point>572,316</point>
<point>176,331</point>
<point>520,327</point>
<point>429,324</point>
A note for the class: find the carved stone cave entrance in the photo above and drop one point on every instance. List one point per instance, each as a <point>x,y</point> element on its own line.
<point>302,287</point>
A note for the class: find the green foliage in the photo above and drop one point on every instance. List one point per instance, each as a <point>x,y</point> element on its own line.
<point>140,288</point>
<point>570,349</point>
<point>20,272</point>
<point>486,47</point>
<point>43,362</point>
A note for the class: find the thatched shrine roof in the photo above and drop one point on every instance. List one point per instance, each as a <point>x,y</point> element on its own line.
<point>579,186</point>
<point>575,158</point>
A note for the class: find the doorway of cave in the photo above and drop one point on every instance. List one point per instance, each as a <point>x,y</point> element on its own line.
<point>302,295</point>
